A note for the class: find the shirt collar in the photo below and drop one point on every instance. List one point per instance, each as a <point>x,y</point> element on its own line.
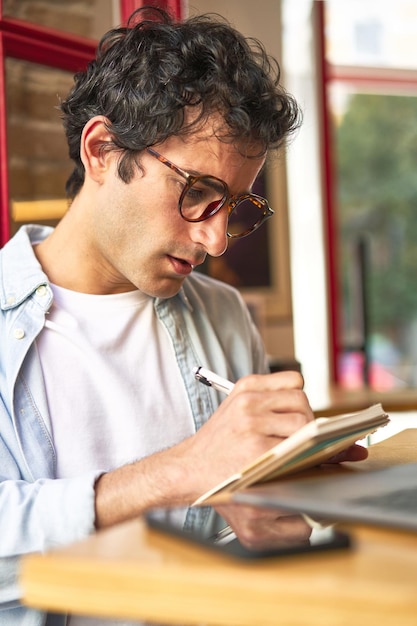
<point>22,273</point>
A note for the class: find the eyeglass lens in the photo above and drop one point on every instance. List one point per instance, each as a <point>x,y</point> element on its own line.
<point>202,198</point>
<point>245,217</point>
<point>206,195</point>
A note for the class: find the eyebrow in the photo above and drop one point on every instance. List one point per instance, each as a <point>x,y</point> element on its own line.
<point>216,184</point>
<point>213,179</point>
<point>218,187</point>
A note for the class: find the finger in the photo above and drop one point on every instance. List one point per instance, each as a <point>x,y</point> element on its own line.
<point>273,413</point>
<point>271,382</point>
<point>353,453</point>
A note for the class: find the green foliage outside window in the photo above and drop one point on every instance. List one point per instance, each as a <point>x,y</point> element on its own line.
<point>377,204</point>
<point>377,182</point>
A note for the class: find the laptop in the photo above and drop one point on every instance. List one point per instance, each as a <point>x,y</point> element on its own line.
<point>386,497</point>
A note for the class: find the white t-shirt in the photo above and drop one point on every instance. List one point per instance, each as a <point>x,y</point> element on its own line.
<point>114,390</point>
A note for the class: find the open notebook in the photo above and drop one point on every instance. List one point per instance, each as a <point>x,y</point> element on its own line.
<point>311,445</point>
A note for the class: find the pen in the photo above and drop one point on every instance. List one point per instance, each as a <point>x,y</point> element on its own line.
<point>211,379</point>
<point>226,535</point>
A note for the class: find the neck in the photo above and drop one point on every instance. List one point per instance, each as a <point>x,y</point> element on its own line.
<point>70,259</point>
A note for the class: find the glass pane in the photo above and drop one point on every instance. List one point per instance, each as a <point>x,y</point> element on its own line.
<point>37,147</point>
<point>376,141</point>
<point>89,18</point>
<point>380,33</point>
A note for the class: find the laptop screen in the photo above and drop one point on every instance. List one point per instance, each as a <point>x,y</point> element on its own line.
<point>385,497</point>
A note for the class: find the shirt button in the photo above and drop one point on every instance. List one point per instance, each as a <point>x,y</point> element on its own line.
<point>19,333</point>
<point>41,290</point>
<point>11,300</point>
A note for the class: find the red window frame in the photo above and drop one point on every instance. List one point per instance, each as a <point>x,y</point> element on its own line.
<point>175,7</point>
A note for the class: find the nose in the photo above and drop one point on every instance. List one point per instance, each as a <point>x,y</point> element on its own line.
<point>212,233</point>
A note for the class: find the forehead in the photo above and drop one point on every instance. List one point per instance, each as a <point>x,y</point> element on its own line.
<point>214,135</point>
<point>204,152</point>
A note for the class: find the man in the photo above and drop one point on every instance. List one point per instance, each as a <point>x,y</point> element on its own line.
<point>103,319</point>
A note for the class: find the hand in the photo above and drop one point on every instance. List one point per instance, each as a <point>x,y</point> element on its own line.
<point>262,528</point>
<point>260,412</point>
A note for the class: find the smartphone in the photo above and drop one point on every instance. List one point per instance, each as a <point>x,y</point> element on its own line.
<point>171,521</point>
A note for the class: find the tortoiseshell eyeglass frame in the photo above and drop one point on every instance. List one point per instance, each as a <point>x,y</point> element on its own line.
<point>214,207</point>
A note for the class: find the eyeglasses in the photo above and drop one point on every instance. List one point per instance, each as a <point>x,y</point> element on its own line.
<point>204,196</point>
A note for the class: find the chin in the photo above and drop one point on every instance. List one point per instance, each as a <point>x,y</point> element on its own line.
<point>165,290</point>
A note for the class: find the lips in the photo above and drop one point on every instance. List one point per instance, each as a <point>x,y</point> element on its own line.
<point>181,266</point>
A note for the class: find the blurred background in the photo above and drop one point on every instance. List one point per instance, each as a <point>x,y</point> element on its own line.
<point>331,281</point>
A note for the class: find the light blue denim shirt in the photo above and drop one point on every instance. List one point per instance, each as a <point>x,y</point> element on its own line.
<point>208,325</point>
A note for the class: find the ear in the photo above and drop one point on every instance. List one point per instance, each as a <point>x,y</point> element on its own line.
<point>94,138</point>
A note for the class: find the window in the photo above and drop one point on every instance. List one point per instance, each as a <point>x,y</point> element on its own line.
<point>38,164</point>
<point>37,66</point>
<point>371,95</point>
<point>89,18</point>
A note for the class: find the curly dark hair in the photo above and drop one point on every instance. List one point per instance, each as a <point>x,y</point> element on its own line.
<point>146,75</point>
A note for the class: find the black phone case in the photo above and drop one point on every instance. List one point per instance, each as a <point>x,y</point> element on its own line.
<point>234,548</point>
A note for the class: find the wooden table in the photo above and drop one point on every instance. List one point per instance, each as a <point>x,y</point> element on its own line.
<point>133,572</point>
<point>334,400</point>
